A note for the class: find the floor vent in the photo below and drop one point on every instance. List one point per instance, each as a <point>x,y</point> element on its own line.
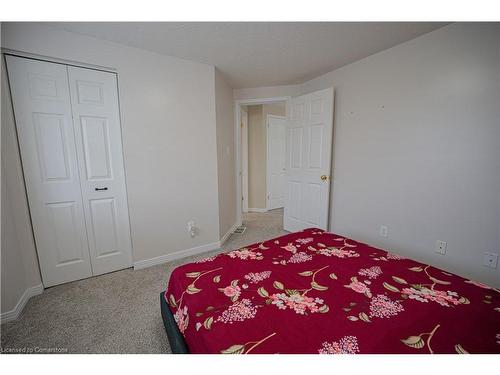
<point>240,230</point>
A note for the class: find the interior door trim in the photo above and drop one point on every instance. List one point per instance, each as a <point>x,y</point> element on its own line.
<point>237,142</point>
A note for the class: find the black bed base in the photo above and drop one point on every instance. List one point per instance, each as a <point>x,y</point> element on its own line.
<point>177,343</point>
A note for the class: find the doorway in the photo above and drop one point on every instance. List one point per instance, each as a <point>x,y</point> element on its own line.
<point>309,134</point>
<point>262,144</point>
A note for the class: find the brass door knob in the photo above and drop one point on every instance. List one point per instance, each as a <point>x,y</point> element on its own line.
<point>324,177</point>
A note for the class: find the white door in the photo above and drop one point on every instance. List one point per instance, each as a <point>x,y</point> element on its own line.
<point>276,164</point>
<point>96,119</point>
<point>42,111</point>
<point>308,160</point>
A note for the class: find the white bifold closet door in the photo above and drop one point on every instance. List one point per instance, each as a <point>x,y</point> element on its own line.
<point>94,99</point>
<point>69,134</point>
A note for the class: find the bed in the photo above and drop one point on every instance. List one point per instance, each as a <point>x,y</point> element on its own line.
<point>317,292</point>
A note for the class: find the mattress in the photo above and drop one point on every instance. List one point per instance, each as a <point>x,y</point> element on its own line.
<point>317,292</point>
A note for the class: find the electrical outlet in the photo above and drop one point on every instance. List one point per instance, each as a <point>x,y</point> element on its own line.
<point>383,231</point>
<point>192,230</point>
<point>490,260</point>
<point>440,247</point>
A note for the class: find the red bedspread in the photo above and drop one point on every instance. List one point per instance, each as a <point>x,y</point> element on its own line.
<point>316,292</point>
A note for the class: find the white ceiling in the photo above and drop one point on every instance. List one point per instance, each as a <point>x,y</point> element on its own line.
<point>256,54</point>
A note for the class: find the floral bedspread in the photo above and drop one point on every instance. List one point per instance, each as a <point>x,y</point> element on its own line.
<point>317,292</point>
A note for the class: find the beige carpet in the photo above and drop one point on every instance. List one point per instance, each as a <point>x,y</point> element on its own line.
<point>118,312</point>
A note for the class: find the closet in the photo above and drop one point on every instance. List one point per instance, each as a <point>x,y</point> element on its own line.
<point>68,126</point>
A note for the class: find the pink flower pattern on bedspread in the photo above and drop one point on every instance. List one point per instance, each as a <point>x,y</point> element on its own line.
<point>254,278</point>
<point>346,345</point>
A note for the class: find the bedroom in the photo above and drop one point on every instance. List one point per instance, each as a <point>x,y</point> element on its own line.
<point>392,140</point>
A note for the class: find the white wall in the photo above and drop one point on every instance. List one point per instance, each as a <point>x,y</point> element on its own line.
<point>169,134</point>
<point>417,147</point>
<point>266,92</point>
<point>13,281</point>
<point>226,159</point>
<point>19,264</point>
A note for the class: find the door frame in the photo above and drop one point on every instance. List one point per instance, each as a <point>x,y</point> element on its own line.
<point>237,144</point>
<point>244,160</point>
<point>268,175</point>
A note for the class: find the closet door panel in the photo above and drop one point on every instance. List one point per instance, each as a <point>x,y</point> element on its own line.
<point>42,110</point>
<point>95,138</point>
<point>98,141</point>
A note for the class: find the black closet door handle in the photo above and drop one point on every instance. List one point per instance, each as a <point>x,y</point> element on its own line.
<point>100,189</point>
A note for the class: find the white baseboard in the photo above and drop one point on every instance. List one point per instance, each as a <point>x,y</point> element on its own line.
<point>226,236</point>
<point>18,309</point>
<point>257,210</point>
<point>177,255</point>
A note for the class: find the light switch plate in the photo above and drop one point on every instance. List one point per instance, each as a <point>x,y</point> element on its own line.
<point>440,247</point>
<point>490,260</point>
<point>383,231</point>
